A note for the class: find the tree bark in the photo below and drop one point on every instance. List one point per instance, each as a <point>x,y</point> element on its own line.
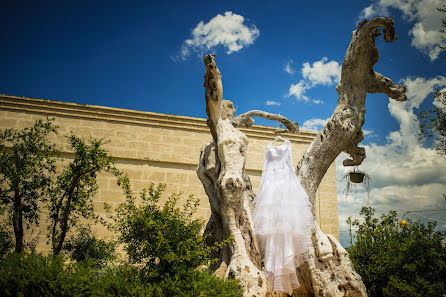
<point>246,120</point>
<point>329,271</point>
<point>66,215</point>
<point>17,221</point>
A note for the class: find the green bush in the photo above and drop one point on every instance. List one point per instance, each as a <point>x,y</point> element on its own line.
<point>36,275</point>
<point>199,283</point>
<point>395,261</point>
<point>128,281</point>
<point>86,246</point>
<point>123,281</point>
<point>165,239</point>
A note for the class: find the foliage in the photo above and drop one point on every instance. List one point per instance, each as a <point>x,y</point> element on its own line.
<point>86,246</point>
<point>443,29</point>
<point>37,275</point>
<point>128,281</point>
<point>123,280</point>
<point>26,160</point>
<point>398,262</point>
<point>199,283</point>
<point>433,122</point>
<point>165,240</point>
<point>72,192</point>
<point>6,243</point>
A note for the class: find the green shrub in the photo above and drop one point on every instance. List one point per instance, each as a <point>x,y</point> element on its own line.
<point>36,275</point>
<point>395,261</point>
<point>86,246</point>
<point>165,239</point>
<point>123,281</point>
<point>128,281</point>
<point>199,283</point>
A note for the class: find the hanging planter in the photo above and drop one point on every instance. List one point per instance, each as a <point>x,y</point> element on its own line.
<point>356,179</point>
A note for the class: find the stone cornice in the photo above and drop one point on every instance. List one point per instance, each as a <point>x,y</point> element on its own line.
<point>127,116</point>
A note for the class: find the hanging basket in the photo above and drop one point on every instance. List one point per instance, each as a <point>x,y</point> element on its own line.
<point>356,177</point>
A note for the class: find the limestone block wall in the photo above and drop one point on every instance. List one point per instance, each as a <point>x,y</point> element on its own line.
<point>154,147</point>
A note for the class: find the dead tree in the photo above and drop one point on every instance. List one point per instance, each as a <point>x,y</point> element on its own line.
<point>329,271</point>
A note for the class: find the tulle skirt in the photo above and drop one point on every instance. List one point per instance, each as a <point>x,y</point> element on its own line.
<point>283,223</point>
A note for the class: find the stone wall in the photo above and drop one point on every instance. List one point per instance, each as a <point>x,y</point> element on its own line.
<point>154,147</point>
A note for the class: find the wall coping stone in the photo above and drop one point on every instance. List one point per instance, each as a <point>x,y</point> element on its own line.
<point>128,116</point>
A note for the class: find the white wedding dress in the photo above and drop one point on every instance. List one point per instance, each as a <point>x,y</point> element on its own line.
<point>283,221</point>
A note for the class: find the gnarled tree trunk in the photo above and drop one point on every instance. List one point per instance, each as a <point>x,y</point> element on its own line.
<point>329,271</point>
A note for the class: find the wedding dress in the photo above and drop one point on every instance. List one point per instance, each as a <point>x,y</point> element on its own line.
<point>283,221</point>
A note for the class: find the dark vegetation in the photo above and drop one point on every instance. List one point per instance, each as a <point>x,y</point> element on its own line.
<point>166,253</point>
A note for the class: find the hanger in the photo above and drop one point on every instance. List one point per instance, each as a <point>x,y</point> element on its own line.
<point>278,138</point>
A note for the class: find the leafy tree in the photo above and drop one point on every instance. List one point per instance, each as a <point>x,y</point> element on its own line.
<point>72,192</point>
<point>398,262</point>
<point>26,161</point>
<point>165,239</point>
<point>433,122</point>
<point>443,29</point>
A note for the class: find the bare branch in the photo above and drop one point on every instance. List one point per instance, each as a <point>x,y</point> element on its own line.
<point>382,84</point>
<point>246,120</point>
<point>368,27</point>
<point>213,93</point>
<point>356,152</point>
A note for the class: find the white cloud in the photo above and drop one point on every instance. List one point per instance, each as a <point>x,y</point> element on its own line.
<point>369,133</point>
<point>227,30</point>
<point>424,16</point>
<point>417,91</point>
<point>314,124</point>
<point>298,90</point>
<point>288,69</point>
<point>371,11</point>
<point>271,102</point>
<point>426,40</point>
<point>418,88</point>
<point>405,175</point>
<point>318,73</point>
<point>322,73</point>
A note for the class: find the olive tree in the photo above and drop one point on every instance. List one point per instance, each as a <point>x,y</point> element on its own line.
<point>221,169</point>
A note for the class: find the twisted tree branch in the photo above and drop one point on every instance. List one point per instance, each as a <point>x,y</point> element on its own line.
<point>246,120</point>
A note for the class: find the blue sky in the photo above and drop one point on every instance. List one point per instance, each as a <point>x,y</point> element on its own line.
<point>279,56</point>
